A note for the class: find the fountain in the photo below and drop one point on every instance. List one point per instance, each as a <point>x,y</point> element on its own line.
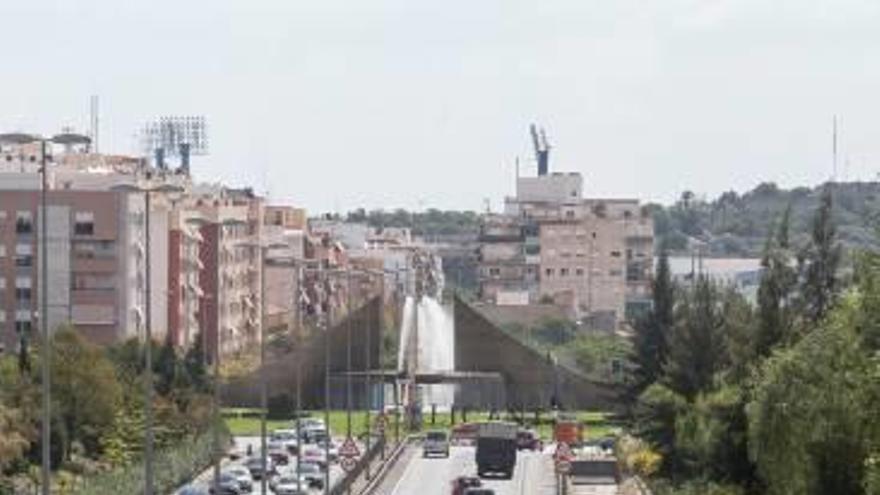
<point>427,336</point>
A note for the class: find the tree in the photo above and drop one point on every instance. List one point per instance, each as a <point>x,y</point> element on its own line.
<point>819,262</point>
<point>194,364</point>
<point>811,419</point>
<point>652,331</point>
<point>14,440</point>
<point>696,347</point>
<point>778,280</point>
<point>85,387</point>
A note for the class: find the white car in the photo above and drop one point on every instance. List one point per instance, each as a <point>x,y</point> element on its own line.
<point>287,437</point>
<point>286,484</point>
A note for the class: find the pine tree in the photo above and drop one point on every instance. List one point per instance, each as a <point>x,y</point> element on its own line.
<point>778,280</point>
<point>819,262</point>
<point>696,347</point>
<point>650,343</point>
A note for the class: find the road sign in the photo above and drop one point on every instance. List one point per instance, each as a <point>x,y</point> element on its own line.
<point>563,467</point>
<point>349,449</point>
<point>348,464</point>
<point>563,453</point>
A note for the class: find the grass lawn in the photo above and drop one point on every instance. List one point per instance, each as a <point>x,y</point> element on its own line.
<point>246,422</point>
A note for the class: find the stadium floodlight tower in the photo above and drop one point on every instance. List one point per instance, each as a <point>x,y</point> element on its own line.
<point>175,136</point>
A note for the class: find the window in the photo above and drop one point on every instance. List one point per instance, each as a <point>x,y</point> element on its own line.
<point>579,272</point>
<point>23,290</point>
<point>563,272</point>
<point>615,273</point>
<point>2,282</point>
<point>569,213</point>
<point>24,222</point>
<point>2,250</point>
<point>23,255</point>
<point>615,254</point>
<point>22,326</point>
<point>494,272</point>
<point>548,272</point>
<point>84,223</point>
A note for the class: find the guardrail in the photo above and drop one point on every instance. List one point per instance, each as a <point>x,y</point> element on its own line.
<point>379,477</point>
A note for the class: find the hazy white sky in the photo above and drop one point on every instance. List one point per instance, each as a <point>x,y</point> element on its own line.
<point>382,103</point>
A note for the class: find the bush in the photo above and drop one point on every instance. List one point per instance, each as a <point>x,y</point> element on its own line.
<point>280,407</point>
<point>173,467</point>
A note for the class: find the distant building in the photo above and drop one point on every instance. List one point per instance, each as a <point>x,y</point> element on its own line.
<point>550,244</point>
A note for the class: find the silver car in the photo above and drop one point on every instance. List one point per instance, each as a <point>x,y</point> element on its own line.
<point>436,442</point>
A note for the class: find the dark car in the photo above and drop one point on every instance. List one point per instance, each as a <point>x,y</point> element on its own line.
<point>462,483</point>
<point>255,466</point>
<point>228,485</point>
<point>528,440</point>
<point>192,490</point>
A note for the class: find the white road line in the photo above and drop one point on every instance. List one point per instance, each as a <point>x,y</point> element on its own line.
<point>409,466</point>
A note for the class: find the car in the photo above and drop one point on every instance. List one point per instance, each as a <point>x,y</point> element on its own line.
<point>479,491</point>
<point>227,485</point>
<point>462,483</point>
<point>528,440</point>
<point>312,475</point>
<point>332,450</point>
<point>436,442</point>
<point>287,438</point>
<point>255,466</point>
<point>311,423</point>
<point>314,434</point>
<point>192,490</point>
<point>278,452</point>
<point>286,484</point>
<point>315,454</point>
<point>241,473</point>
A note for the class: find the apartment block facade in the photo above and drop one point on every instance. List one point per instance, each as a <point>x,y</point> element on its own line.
<point>592,256</point>
<point>204,251</point>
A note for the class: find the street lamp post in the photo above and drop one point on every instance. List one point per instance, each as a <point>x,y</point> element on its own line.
<point>46,428</point>
<point>264,400</point>
<point>148,326</point>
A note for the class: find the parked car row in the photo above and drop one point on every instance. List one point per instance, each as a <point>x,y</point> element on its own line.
<point>284,477</point>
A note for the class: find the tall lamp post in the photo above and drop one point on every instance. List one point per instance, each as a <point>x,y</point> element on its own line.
<point>148,324</point>
<point>68,139</point>
<point>264,401</point>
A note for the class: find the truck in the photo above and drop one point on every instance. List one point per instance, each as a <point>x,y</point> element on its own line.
<point>594,476</point>
<point>496,448</point>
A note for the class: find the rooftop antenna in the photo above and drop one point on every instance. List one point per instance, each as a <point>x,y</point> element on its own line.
<point>93,122</point>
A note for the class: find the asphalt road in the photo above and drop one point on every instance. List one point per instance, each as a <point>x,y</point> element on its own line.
<point>533,474</point>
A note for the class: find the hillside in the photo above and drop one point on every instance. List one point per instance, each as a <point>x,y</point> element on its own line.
<point>732,225</point>
<point>737,224</point>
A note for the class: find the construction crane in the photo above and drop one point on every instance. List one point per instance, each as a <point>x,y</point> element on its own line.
<point>542,149</point>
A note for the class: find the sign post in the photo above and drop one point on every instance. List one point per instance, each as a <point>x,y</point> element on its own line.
<point>348,453</point>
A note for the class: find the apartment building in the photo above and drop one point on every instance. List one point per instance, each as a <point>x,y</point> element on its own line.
<point>204,251</point>
<point>592,256</point>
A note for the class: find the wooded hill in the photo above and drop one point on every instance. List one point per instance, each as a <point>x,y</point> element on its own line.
<point>738,224</point>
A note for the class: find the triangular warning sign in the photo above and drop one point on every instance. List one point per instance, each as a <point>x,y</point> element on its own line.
<point>349,448</point>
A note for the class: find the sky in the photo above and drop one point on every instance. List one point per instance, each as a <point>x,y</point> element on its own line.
<point>333,104</point>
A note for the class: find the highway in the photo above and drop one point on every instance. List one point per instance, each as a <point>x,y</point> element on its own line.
<point>433,476</point>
